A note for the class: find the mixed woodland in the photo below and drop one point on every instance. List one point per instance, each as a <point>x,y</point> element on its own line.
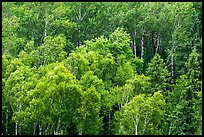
<point>101,68</point>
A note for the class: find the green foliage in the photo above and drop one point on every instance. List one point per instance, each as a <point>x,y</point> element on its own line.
<point>97,68</point>
<point>137,64</point>
<point>158,73</point>
<point>50,51</point>
<point>89,79</point>
<point>138,116</point>
<point>88,113</point>
<point>124,72</point>
<point>120,43</point>
<point>122,95</point>
<point>186,100</point>
<point>78,63</point>
<point>141,84</point>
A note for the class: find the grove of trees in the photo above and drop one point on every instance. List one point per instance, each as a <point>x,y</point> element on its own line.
<point>101,68</point>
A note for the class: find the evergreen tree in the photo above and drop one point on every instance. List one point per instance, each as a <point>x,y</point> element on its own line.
<point>159,75</point>
<point>186,98</point>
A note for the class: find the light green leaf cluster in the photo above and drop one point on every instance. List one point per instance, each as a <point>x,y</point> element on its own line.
<point>137,117</point>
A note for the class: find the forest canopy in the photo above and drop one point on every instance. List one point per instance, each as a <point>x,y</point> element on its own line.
<point>101,68</point>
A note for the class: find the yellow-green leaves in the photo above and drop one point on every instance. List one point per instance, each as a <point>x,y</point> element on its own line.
<point>88,112</point>
<point>124,72</point>
<point>138,116</point>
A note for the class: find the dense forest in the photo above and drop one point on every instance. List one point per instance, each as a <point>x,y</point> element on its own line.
<point>101,68</point>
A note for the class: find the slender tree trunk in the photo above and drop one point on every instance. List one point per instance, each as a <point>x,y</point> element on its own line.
<point>40,129</point>
<point>127,99</point>
<point>16,124</point>
<point>79,33</point>
<point>44,57</point>
<point>58,125</point>
<point>142,46</point>
<point>135,129</point>
<point>136,126</point>
<point>34,128</point>
<point>79,18</point>
<point>170,128</point>
<point>119,106</point>
<point>136,121</point>
<point>45,35</point>
<point>45,31</point>
<point>80,131</point>
<point>7,120</point>
<point>145,124</point>
<point>134,44</point>
<point>46,23</point>
<point>16,128</point>
<point>79,29</point>
<point>50,126</point>
<point>172,72</point>
<point>157,44</point>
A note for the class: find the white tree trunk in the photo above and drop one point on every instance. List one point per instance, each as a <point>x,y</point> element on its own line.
<point>145,123</point>
<point>16,129</point>
<point>79,19</point>
<point>135,129</point>
<point>40,130</point>
<point>157,44</point>
<point>172,68</point>
<point>80,131</point>
<point>136,122</point>
<point>142,47</point>
<point>134,46</point>
<point>46,23</point>
<point>136,126</point>
<point>58,125</point>
<point>170,128</point>
<point>45,31</point>
<point>45,35</point>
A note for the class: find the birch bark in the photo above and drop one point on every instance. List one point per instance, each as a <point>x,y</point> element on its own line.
<point>142,47</point>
